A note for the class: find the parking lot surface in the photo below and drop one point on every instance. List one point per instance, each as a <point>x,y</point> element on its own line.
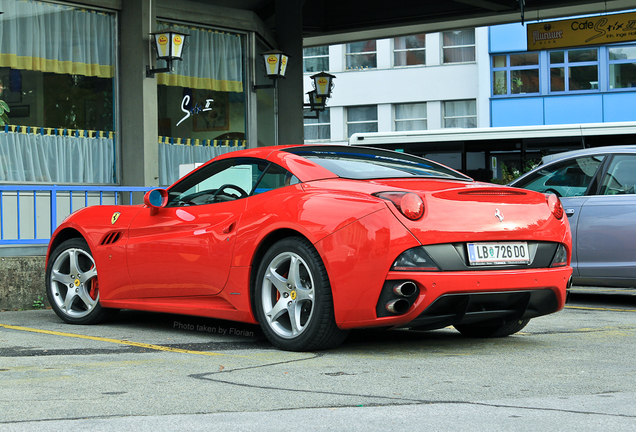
<point>572,370</point>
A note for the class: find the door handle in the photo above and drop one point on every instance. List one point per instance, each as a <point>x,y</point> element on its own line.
<point>569,212</point>
<point>229,228</point>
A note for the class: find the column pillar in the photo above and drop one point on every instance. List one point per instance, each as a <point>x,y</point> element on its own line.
<point>289,14</point>
<point>138,95</point>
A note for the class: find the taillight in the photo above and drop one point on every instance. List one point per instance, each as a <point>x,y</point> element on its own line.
<point>409,204</point>
<point>415,259</point>
<point>560,257</point>
<point>554,203</point>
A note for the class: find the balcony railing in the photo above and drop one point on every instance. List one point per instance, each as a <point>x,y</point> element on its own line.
<point>29,214</point>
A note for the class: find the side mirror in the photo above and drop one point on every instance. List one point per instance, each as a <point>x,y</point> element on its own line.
<point>156,199</point>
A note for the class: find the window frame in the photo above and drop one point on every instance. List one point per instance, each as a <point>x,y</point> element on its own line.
<point>405,120</point>
<point>508,69</point>
<point>320,121</point>
<point>567,65</point>
<point>610,62</point>
<point>351,55</point>
<point>473,46</point>
<point>321,56</point>
<point>407,51</point>
<point>358,122</point>
<point>444,116</point>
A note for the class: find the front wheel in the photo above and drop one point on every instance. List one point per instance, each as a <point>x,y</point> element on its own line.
<point>72,285</point>
<point>293,301</point>
<point>502,330</point>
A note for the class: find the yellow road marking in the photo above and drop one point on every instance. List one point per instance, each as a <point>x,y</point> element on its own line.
<point>600,309</point>
<point>117,341</point>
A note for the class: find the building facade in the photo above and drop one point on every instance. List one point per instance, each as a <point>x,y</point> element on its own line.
<point>426,81</point>
<point>487,77</point>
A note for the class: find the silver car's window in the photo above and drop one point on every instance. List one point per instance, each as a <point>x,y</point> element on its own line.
<point>621,176</point>
<point>565,179</point>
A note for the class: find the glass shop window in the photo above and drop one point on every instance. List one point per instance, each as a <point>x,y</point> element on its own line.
<point>59,91</point>
<point>202,103</point>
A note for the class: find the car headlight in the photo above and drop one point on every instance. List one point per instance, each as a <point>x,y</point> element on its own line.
<point>415,259</point>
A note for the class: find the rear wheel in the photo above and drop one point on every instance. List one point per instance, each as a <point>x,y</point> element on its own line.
<point>502,330</point>
<point>293,299</point>
<point>72,286</point>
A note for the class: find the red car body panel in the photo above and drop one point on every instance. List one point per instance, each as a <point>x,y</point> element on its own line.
<point>201,260</point>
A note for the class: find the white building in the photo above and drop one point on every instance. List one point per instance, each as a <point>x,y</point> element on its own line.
<point>415,82</point>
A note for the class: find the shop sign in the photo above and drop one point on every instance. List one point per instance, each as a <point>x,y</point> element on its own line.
<point>605,29</point>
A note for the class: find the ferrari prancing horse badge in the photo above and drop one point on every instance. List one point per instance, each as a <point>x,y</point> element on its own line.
<point>114,218</point>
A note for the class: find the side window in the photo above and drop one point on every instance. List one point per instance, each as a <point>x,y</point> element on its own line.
<point>565,179</point>
<point>621,176</point>
<point>275,177</point>
<point>218,182</point>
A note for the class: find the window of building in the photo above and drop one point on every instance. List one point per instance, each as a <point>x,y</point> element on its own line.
<point>202,104</point>
<point>362,119</point>
<point>460,114</point>
<point>409,50</point>
<point>411,116</point>
<point>458,46</point>
<point>318,129</point>
<point>361,55</point>
<point>622,67</point>
<point>515,74</point>
<point>60,93</point>
<point>574,70</point>
<point>316,59</point>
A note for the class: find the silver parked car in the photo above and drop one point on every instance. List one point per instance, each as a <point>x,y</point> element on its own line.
<point>596,187</point>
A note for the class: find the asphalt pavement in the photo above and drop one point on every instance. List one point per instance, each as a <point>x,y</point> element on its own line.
<point>572,370</point>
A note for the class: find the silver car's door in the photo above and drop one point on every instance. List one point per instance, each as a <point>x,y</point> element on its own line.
<point>572,207</point>
<point>606,229</point>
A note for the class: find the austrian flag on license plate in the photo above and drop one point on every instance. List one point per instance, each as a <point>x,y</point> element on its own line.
<point>498,253</point>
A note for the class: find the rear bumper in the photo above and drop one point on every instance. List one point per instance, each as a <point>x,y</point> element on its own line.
<point>448,298</point>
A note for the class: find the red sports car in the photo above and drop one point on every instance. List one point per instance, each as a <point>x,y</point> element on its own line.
<point>311,241</point>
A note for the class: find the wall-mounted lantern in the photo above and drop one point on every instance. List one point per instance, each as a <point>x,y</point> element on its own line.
<point>316,104</point>
<point>323,84</point>
<point>275,66</point>
<point>169,45</point>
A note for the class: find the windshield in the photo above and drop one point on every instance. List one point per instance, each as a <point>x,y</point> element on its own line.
<point>362,163</point>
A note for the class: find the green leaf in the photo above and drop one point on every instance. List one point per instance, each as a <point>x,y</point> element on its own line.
<point>4,105</point>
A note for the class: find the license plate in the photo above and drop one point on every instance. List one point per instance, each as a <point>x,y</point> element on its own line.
<point>501,253</point>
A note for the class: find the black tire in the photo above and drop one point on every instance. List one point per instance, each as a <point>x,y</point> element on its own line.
<point>293,301</point>
<point>502,330</point>
<point>72,286</point>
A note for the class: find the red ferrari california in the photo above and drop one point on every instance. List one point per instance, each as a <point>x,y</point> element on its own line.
<point>311,241</point>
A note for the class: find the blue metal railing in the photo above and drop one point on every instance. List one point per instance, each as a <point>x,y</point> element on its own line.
<point>29,208</point>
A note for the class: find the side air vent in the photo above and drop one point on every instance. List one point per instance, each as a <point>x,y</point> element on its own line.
<point>111,237</point>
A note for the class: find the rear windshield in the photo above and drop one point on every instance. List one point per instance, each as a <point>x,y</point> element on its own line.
<point>363,163</point>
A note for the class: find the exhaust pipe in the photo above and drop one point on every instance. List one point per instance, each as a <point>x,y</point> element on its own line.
<point>405,289</point>
<point>399,306</point>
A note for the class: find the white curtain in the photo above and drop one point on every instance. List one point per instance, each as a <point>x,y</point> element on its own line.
<point>29,157</point>
<point>173,155</point>
<point>56,38</point>
<point>212,60</point>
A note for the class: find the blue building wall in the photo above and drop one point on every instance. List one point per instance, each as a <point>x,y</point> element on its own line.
<point>601,104</point>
